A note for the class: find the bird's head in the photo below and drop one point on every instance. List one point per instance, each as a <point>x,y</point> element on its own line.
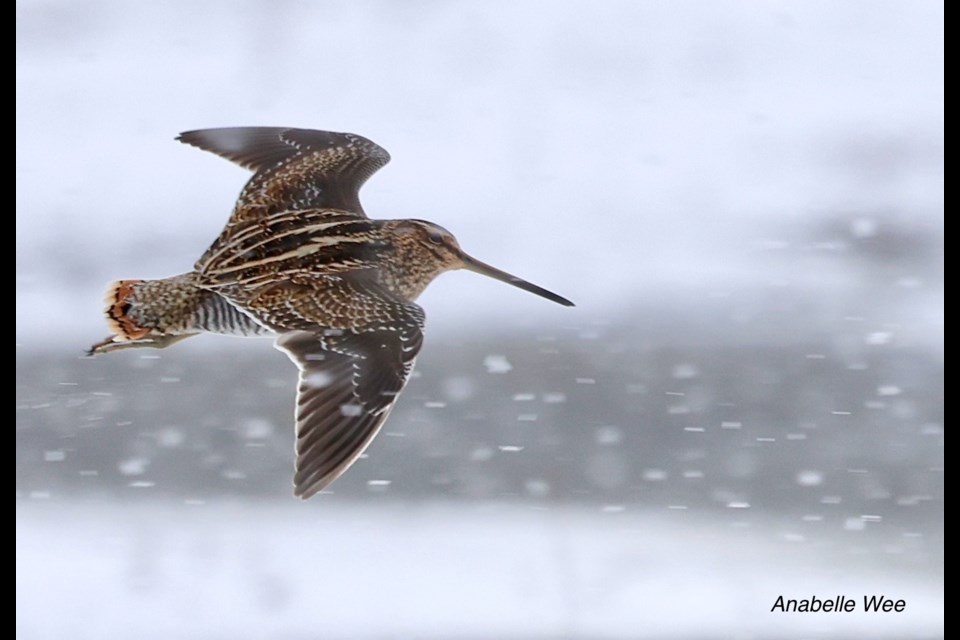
<point>430,244</point>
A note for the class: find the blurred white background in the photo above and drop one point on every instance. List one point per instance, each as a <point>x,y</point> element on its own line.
<point>740,178</point>
<point>614,151</point>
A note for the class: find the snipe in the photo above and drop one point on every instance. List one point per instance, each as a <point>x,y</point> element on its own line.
<point>299,259</point>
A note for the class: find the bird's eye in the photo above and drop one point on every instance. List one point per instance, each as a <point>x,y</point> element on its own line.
<point>435,237</point>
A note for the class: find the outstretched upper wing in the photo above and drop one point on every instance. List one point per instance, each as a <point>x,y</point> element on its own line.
<point>349,381</point>
<point>295,169</point>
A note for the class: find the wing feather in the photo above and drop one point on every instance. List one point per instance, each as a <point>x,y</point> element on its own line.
<point>349,382</point>
<point>294,169</point>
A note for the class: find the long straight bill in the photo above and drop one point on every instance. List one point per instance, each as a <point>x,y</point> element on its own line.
<point>484,269</point>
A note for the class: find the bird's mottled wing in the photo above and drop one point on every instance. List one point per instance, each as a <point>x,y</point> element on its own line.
<point>295,169</point>
<point>349,381</point>
<point>289,245</point>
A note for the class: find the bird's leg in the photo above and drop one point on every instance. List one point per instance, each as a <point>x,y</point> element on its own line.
<point>111,343</point>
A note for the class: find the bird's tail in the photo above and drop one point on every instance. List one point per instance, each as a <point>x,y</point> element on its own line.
<point>158,313</point>
<point>118,308</point>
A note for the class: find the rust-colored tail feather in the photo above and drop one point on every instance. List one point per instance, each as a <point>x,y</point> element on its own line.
<point>118,305</point>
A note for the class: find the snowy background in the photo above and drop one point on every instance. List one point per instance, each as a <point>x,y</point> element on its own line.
<point>744,199</point>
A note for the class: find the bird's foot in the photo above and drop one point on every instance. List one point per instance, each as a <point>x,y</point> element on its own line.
<point>111,343</point>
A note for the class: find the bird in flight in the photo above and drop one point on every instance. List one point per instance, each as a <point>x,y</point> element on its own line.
<point>299,259</point>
